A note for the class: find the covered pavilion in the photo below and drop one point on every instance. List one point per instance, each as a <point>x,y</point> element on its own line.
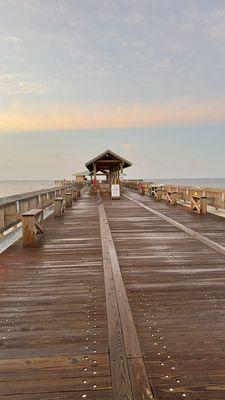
<point>109,164</point>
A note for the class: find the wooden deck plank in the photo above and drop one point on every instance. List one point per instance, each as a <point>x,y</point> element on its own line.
<point>176,290</point>
<point>53,326</point>
<point>182,227</point>
<point>170,291</point>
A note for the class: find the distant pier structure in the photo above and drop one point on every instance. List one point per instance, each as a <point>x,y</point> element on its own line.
<point>81,177</point>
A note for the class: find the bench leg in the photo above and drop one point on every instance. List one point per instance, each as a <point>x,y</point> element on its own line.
<point>32,230</point>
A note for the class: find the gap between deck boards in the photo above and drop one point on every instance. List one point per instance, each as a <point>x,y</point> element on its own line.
<point>129,377</point>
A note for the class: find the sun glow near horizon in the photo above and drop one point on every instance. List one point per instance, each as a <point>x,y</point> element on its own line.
<point>114,116</point>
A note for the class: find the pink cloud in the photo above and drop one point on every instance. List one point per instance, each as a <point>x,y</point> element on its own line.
<point>111,116</point>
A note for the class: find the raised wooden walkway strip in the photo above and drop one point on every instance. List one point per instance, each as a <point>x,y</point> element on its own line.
<point>129,376</point>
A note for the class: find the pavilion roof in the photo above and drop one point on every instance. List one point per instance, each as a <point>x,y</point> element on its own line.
<point>108,160</point>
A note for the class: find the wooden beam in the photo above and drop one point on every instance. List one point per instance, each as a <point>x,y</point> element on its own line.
<point>95,171</point>
<point>129,376</point>
<point>108,162</point>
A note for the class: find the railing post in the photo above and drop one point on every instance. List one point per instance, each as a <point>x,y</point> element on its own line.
<point>58,206</point>
<point>203,205</point>
<point>74,194</point>
<point>31,227</point>
<point>68,200</point>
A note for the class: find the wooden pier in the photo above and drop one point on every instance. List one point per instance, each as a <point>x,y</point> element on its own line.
<point>120,300</point>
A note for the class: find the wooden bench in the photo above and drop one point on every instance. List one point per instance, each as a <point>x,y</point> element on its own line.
<point>68,200</point>
<point>158,195</point>
<point>154,189</point>
<point>58,206</point>
<point>199,204</point>
<point>31,227</point>
<point>172,197</point>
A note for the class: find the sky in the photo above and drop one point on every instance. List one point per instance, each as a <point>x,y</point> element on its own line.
<point>145,78</point>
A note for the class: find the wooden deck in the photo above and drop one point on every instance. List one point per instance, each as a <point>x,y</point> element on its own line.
<point>74,325</point>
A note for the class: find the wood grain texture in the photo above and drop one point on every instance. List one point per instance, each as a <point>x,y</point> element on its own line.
<point>119,368</point>
<point>53,326</point>
<point>176,290</point>
<point>68,325</point>
<point>124,345</point>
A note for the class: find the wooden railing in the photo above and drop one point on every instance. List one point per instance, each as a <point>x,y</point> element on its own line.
<point>215,196</point>
<point>64,182</point>
<point>12,207</point>
<point>134,184</point>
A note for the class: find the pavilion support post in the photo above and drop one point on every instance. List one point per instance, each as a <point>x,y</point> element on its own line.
<point>95,172</point>
<point>121,176</point>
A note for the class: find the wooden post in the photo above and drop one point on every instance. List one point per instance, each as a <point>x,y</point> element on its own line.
<point>74,194</point>
<point>68,200</point>
<point>203,205</point>
<point>121,176</point>
<point>199,204</point>
<point>95,172</point>
<point>58,206</point>
<point>31,227</point>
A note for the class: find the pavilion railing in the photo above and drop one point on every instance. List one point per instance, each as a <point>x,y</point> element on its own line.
<point>12,207</point>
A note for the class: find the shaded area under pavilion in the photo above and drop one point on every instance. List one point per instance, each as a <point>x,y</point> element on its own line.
<point>109,164</point>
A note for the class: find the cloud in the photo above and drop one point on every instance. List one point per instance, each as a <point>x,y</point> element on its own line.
<point>5,78</point>
<point>11,39</point>
<point>101,116</point>
<point>214,24</point>
<point>16,84</point>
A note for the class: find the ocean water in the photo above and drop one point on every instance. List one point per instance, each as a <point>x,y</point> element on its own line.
<point>10,187</point>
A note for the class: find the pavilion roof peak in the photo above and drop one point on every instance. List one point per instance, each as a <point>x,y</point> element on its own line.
<point>102,159</point>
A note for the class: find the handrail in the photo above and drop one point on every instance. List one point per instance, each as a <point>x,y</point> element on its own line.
<point>27,195</point>
<point>12,207</point>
